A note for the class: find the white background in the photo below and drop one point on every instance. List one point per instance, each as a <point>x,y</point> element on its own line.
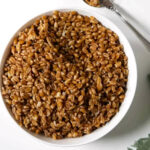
<point>136,124</point>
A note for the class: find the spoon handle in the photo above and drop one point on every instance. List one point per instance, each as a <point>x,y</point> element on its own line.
<point>141,32</point>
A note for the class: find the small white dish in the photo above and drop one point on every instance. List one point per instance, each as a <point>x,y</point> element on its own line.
<point>131,85</point>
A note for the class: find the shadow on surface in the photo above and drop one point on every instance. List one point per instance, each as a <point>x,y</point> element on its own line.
<point>134,22</point>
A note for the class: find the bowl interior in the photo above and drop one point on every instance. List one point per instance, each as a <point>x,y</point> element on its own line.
<point>131,85</point>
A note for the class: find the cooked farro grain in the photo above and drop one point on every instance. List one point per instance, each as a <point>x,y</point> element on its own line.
<point>66,75</point>
<point>95,3</point>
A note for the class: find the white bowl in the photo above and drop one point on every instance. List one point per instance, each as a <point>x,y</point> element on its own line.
<point>131,86</point>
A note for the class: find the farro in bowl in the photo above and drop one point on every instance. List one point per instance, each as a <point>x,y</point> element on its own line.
<point>66,77</point>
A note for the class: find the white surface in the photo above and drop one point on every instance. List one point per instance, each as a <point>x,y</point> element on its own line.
<point>139,11</point>
<point>136,124</point>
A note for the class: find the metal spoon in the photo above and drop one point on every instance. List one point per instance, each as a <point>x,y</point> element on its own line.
<point>112,6</point>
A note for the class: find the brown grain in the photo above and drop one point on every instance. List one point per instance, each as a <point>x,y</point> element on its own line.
<point>66,75</point>
<point>95,3</point>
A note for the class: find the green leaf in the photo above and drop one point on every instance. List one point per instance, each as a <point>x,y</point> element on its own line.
<point>148,76</point>
<point>142,144</point>
<point>130,149</point>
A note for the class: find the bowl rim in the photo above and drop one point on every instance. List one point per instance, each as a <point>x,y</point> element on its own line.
<point>131,84</point>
